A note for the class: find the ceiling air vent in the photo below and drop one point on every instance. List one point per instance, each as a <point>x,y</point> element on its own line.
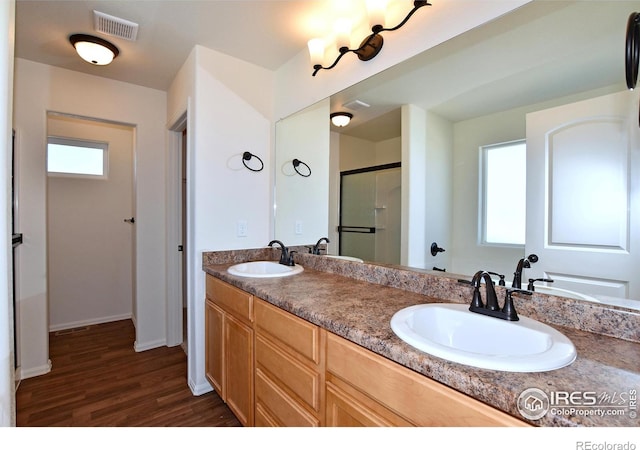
<point>356,105</point>
<point>115,26</point>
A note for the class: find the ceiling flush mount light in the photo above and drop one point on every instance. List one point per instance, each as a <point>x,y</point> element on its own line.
<point>370,46</point>
<point>341,119</point>
<point>93,49</point>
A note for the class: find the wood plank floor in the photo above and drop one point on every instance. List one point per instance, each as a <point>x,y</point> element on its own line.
<point>97,379</point>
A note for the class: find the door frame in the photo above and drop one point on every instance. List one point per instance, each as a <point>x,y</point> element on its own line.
<point>174,234</point>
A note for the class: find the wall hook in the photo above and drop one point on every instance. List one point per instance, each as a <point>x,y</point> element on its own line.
<point>246,156</point>
<point>435,249</point>
<point>297,163</point>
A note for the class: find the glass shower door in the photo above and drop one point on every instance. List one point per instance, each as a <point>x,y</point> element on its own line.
<point>370,214</point>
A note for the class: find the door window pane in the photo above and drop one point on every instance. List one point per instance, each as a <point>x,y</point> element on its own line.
<point>66,157</point>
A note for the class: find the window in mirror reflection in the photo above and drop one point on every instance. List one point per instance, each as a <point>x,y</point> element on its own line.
<point>503,193</point>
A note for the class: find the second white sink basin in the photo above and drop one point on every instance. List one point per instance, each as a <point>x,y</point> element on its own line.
<point>264,269</point>
<point>452,332</point>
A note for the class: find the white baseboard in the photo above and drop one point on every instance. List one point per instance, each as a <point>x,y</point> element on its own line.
<point>200,389</point>
<point>149,345</point>
<point>84,323</point>
<point>33,371</point>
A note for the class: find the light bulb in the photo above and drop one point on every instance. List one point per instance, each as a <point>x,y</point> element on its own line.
<point>342,29</point>
<point>377,12</point>
<point>316,51</point>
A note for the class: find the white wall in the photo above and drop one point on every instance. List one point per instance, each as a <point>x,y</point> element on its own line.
<point>414,165</point>
<point>438,190</point>
<point>356,153</point>
<point>40,88</point>
<point>229,104</point>
<point>302,209</point>
<point>7,392</point>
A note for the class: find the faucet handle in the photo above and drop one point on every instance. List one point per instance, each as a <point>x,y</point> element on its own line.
<point>501,282</point>
<point>290,261</point>
<point>508,309</point>
<point>531,287</point>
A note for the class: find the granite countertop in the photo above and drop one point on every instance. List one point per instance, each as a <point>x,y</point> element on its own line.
<point>361,311</point>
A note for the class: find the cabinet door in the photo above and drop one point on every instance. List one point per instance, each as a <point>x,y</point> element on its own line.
<point>239,369</point>
<point>214,347</point>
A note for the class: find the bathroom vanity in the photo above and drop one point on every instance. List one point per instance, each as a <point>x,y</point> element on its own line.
<point>317,349</point>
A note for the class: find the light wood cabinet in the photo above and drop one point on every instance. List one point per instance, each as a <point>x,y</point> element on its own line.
<point>229,342</point>
<point>273,368</point>
<point>366,389</point>
<point>289,369</point>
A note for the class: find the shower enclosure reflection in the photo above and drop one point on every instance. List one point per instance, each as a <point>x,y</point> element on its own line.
<point>370,213</point>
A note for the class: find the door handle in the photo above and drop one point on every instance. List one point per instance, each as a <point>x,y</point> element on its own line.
<point>132,220</point>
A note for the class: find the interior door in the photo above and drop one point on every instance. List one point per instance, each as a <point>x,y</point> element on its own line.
<point>91,231</point>
<point>583,195</point>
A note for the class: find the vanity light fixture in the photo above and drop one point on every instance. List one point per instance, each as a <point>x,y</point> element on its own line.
<point>93,49</point>
<point>370,46</point>
<point>341,119</point>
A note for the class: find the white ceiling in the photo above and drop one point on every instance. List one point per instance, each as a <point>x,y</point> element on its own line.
<point>265,32</point>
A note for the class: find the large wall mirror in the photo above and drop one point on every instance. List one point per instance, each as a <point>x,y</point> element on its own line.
<point>548,79</point>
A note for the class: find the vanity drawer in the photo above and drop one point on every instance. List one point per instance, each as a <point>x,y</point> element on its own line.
<point>276,406</point>
<point>230,298</point>
<point>300,381</point>
<point>300,336</point>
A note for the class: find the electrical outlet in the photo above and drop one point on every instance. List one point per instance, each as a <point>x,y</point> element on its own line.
<point>298,227</point>
<point>241,228</point>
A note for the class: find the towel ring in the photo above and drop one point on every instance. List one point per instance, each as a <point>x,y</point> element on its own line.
<point>297,163</point>
<point>246,156</point>
<point>632,50</point>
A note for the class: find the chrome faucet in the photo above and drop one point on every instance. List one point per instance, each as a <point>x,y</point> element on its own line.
<point>524,263</point>
<point>284,255</point>
<point>316,248</point>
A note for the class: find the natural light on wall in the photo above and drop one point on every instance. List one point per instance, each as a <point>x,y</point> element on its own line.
<point>76,158</point>
<point>503,193</point>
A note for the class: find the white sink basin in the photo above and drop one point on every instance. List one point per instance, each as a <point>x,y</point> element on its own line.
<point>264,269</point>
<point>452,332</point>
<point>345,258</point>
